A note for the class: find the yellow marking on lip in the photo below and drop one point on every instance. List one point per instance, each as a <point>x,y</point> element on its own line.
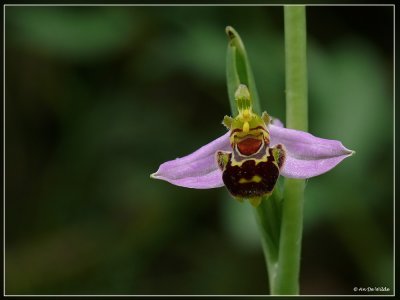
<point>255,179</point>
<point>264,158</point>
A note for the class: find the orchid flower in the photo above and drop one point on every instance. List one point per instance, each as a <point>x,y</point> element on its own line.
<point>249,158</point>
<point>257,149</point>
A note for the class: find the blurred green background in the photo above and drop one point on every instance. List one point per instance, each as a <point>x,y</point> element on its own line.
<point>98,97</point>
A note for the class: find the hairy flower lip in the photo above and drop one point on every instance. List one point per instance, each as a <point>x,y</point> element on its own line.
<point>307,156</point>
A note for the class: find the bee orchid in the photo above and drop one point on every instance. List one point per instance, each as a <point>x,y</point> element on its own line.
<point>250,157</point>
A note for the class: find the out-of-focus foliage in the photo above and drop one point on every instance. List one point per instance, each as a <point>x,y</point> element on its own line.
<point>98,97</point>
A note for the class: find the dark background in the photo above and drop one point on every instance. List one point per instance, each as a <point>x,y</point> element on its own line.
<point>98,97</point>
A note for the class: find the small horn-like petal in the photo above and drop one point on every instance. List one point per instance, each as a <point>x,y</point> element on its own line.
<point>198,170</point>
<point>307,155</point>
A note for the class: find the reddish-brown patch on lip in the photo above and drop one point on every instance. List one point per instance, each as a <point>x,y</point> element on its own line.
<point>249,146</point>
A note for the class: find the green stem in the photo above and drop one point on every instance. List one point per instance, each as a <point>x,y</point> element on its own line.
<point>287,277</point>
<point>296,68</point>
